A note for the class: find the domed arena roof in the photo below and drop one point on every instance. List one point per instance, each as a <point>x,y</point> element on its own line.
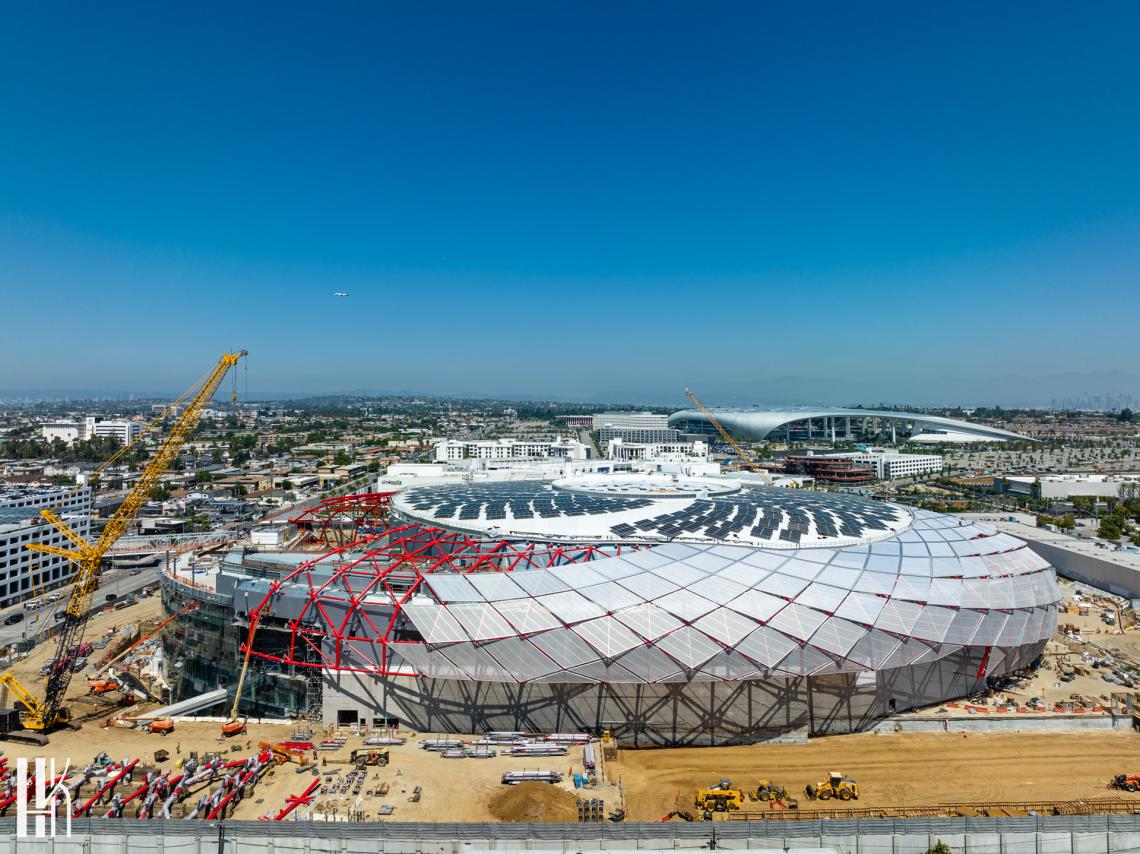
<point>654,509</point>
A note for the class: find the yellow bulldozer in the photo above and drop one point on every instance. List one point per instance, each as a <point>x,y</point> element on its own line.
<point>835,786</point>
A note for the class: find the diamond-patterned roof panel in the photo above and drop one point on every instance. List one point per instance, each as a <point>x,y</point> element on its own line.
<point>707,609</point>
<point>725,626</point>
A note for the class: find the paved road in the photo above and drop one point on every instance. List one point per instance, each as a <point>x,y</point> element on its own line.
<point>118,581</point>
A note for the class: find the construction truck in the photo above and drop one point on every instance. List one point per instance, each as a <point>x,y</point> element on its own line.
<point>1127,782</point>
<point>835,786</point>
<point>719,798</point>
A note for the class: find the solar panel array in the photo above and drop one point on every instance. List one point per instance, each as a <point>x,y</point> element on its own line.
<point>528,499</point>
<point>772,514</point>
<point>686,611</point>
<point>780,517</point>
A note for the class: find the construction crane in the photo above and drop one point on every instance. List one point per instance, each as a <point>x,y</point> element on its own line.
<point>40,716</point>
<point>236,725</point>
<point>747,461</point>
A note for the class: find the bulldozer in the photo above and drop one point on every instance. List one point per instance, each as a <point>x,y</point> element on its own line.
<point>719,798</point>
<point>835,786</point>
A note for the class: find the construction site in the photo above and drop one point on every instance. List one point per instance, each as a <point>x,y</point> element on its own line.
<point>592,651</point>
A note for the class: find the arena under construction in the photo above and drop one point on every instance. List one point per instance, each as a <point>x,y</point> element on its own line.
<point>668,611</point>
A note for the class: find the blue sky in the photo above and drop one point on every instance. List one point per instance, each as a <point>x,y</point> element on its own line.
<point>568,198</point>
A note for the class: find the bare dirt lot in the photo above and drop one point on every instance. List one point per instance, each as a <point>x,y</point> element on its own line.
<point>892,770</point>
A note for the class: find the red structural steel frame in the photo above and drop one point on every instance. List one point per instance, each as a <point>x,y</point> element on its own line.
<point>345,519</point>
<point>391,570</point>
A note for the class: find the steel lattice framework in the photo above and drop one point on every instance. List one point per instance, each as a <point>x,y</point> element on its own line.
<point>334,631</point>
<point>345,519</point>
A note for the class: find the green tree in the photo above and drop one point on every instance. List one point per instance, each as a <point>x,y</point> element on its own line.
<point>1125,415</point>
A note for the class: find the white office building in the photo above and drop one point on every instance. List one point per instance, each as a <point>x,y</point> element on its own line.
<point>124,432</point>
<point>65,431</point>
<point>26,574</point>
<point>454,450</point>
<point>631,421</point>
<point>889,466</point>
<point>619,449</point>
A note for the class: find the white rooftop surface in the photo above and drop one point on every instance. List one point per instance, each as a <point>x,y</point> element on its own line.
<point>1064,541</point>
<point>649,485</point>
<point>644,508</point>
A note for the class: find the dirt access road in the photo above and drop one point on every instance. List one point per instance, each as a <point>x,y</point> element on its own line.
<point>892,770</point>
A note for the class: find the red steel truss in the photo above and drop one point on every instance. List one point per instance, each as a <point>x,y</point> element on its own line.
<point>389,572</point>
<point>336,522</point>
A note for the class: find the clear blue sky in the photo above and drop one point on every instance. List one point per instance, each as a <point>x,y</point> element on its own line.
<point>567,198</point>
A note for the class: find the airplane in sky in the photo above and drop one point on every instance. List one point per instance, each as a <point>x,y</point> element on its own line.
<point>340,294</point>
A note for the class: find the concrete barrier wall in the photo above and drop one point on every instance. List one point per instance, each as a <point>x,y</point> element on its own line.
<point>1001,723</point>
<point>1026,835</point>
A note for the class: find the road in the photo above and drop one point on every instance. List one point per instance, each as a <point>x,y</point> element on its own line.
<point>115,580</point>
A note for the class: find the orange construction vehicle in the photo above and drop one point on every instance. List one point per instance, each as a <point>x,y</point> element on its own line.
<point>99,687</point>
<point>1127,782</point>
<point>162,726</point>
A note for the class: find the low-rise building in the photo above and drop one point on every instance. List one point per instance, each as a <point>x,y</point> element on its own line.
<point>453,450</point>
<point>889,465</point>
<point>620,449</point>
<point>25,574</point>
<point>92,427</point>
<point>1065,486</point>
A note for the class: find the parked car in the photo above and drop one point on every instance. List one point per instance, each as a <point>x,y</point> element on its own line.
<point>13,618</point>
<point>78,664</point>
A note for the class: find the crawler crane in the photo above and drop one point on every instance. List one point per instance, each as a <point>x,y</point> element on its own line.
<point>39,716</point>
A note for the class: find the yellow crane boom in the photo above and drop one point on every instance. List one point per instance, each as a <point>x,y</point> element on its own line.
<point>747,461</point>
<point>43,715</point>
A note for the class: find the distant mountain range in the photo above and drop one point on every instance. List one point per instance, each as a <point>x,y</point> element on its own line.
<point>1114,388</point>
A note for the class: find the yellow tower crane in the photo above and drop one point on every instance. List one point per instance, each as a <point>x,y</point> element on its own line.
<point>42,715</point>
<point>747,461</point>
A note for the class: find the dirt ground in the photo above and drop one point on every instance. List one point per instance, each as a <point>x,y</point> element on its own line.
<point>452,789</point>
<point>891,769</point>
<point>902,769</point>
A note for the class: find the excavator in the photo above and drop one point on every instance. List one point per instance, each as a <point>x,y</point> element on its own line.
<point>40,715</point>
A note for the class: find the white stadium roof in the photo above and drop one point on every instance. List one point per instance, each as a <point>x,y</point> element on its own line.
<point>756,424</point>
